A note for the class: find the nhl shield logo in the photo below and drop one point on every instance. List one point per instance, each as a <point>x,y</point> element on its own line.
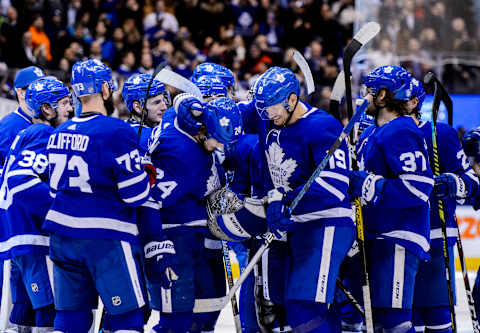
<point>116,300</point>
<point>34,287</point>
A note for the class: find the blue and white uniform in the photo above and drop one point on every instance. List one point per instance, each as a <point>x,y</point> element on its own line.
<point>320,230</point>
<point>95,163</point>
<point>186,173</point>
<point>394,182</point>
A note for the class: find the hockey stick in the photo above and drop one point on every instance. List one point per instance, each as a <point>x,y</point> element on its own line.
<point>366,33</point>
<point>144,109</point>
<point>336,96</point>
<point>350,297</point>
<point>220,303</point>
<point>363,36</point>
<point>447,101</point>
<point>228,269</point>
<point>305,69</point>
<point>429,80</point>
<point>179,82</point>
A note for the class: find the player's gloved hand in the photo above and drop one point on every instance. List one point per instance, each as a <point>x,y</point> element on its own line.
<point>190,112</point>
<point>449,185</point>
<point>367,186</point>
<point>277,214</point>
<point>161,262</point>
<point>149,169</point>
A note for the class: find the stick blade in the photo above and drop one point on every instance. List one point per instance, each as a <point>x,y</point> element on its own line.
<point>179,82</point>
<point>429,78</point>
<point>338,88</point>
<point>307,73</point>
<point>367,32</point>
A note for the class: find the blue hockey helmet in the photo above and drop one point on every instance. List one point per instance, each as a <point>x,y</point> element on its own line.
<point>418,91</point>
<point>26,76</point>
<point>212,69</point>
<point>394,78</point>
<point>273,87</point>
<point>211,86</point>
<point>471,144</point>
<point>223,120</point>
<point>135,89</point>
<point>46,90</point>
<point>88,77</point>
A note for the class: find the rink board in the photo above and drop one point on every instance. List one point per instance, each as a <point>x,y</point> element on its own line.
<point>469,224</point>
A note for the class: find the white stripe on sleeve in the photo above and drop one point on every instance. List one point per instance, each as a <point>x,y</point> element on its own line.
<point>132,181</point>
<point>140,196</point>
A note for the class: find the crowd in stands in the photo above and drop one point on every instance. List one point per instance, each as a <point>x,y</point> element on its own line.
<point>247,36</point>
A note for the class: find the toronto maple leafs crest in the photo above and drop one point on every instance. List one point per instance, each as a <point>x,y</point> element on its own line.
<point>213,182</point>
<point>280,169</point>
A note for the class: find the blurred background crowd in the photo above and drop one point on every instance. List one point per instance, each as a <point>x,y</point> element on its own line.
<point>247,36</point>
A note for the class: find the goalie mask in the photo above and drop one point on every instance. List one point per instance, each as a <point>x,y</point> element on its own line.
<point>233,219</point>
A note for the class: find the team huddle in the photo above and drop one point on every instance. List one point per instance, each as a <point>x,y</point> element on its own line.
<point>141,212</point>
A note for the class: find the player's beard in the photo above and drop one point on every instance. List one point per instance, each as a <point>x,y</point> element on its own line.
<point>108,104</point>
<point>373,109</point>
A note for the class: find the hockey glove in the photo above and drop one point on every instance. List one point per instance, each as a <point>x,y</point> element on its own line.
<point>450,185</point>
<point>160,262</point>
<point>277,214</point>
<point>189,111</point>
<point>367,186</point>
<point>149,169</point>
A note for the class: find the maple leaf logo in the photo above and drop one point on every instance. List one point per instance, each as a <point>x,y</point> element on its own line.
<point>213,181</point>
<point>280,170</point>
<point>224,121</point>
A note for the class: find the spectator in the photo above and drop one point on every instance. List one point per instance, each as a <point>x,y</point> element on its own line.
<point>382,56</point>
<point>245,18</point>
<point>133,38</point>
<point>127,67</point>
<point>132,10</point>
<point>107,48</point>
<point>39,37</point>
<point>160,19</point>
<point>272,30</point>
<point>10,33</point>
<point>73,9</point>
<point>146,63</point>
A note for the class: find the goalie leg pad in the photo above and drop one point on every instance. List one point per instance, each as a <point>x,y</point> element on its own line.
<point>73,321</point>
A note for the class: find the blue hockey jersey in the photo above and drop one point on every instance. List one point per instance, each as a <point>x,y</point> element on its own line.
<point>144,136</point>
<point>245,164</point>
<point>96,179</point>
<point>24,194</point>
<point>10,126</point>
<point>186,173</point>
<point>293,153</point>
<point>397,151</point>
<point>452,159</point>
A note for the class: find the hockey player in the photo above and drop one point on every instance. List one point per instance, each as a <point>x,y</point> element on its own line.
<point>471,145</point>
<point>26,200</point>
<point>133,92</point>
<point>97,180</point>
<point>394,183</point>
<point>10,126</point>
<point>321,229</point>
<point>457,181</point>
<point>182,278</point>
<point>222,73</point>
<point>14,122</point>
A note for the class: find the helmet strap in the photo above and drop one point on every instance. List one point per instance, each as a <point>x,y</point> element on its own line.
<point>290,113</point>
